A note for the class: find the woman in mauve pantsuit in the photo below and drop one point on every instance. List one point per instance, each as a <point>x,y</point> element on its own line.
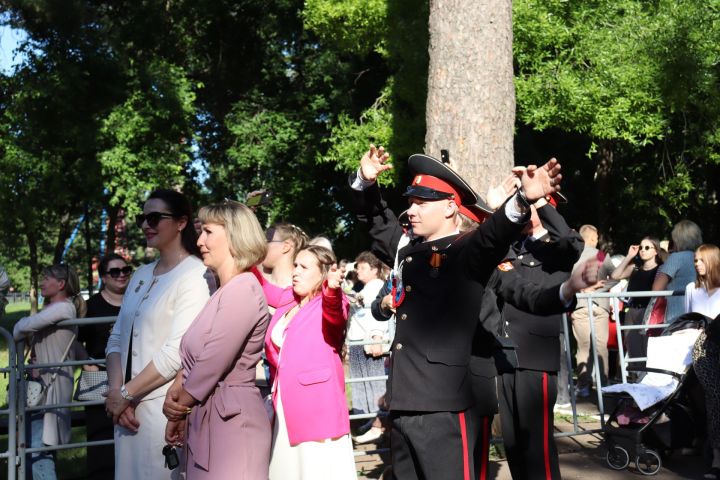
<point>214,408</point>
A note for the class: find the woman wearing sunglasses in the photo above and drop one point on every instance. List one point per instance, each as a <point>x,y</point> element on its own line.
<point>60,288</point>
<point>160,303</point>
<point>114,276</point>
<point>640,266</point>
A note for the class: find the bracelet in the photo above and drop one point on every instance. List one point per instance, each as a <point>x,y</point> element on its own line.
<point>125,394</point>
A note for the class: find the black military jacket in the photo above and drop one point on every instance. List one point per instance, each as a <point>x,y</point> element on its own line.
<point>545,261</point>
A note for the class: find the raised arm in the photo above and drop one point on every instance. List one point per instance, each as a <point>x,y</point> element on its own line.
<point>369,207</point>
<point>335,305</point>
<point>626,267</point>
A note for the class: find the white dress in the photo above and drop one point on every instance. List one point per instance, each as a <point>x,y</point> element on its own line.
<point>329,459</point>
<point>155,313</point>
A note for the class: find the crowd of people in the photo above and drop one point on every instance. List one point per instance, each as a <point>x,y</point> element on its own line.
<point>458,300</point>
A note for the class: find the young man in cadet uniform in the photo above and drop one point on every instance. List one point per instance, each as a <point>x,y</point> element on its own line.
<point>436,295</point>
<point>545,255</point>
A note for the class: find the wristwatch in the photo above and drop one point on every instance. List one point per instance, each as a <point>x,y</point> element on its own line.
<point>125,394</point>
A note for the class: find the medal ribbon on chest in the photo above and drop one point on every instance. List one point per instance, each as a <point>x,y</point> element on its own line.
<point>397,291</point>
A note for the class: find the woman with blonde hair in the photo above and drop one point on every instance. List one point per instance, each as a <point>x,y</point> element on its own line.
<point>50,343</point>
<point>214,396</point>
<point>703,296</point>
<point>311,433</point>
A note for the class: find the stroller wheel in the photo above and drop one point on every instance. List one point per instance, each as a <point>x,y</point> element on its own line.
<point>648,462</point>
<point>618,458</point>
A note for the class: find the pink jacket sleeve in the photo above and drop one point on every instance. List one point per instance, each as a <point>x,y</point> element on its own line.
<point>335,306</point>
<point>273,293</point>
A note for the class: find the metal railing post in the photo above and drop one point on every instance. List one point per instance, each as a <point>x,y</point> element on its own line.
<point>569,379</point>
<point>22,420</point>
<point>596,365</point>
<point>10,454</point>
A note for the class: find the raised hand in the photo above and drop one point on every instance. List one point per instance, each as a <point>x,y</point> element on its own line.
<point>538,182</point>
<point>374,162</point>
<point>633,250</point>
<point>334,277</point>
<point>496,195</point>
<point>584,277</point>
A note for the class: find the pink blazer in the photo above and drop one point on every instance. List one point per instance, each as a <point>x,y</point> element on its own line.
<point>309,372</point>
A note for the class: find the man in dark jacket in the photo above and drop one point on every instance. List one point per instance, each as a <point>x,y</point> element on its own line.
<point>545,256</point>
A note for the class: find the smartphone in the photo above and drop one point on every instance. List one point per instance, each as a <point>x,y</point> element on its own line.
<point>445,156</point>
<point>258,200</point>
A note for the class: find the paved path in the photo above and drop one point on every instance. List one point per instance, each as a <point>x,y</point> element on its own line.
<point>582,457</point>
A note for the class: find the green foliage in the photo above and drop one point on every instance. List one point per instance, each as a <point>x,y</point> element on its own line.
<point>348,25</point>
<point>641,77</point>
<point>349,139</point>
<point>148,136</point>
<point>588,67</point>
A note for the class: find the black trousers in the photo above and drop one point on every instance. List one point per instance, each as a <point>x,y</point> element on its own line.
<point>526,405</point>
<point>440,445</point>
<point>101,459</point>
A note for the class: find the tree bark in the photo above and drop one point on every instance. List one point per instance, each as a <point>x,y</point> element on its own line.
<point>471,94</point>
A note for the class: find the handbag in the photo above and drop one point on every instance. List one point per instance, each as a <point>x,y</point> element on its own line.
<point>655,315</point>
<point>35,388</point>
<point>91,386</point>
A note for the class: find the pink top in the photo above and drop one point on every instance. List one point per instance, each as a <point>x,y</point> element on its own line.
<point>310,373</point>
<point>219,352</point>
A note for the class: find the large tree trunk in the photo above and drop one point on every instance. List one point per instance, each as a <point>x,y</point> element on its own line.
<point>471,95</point>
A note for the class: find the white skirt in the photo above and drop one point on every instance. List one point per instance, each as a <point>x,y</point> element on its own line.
<point>330,459</point>
<point>138,456</point>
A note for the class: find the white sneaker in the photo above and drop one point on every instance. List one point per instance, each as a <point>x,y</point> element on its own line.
<point>371,435</point>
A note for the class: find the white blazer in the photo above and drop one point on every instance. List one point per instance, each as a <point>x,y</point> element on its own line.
<point>156,311</point>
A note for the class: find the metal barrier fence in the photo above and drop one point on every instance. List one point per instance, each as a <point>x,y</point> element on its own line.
<point>17,297</point>
<point>589,297</point>
<point>18,451</point>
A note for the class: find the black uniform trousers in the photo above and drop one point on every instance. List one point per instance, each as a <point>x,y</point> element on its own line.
<point>440,445</point>
<point>526,405</point>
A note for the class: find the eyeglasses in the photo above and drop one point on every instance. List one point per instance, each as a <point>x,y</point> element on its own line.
<point>646,247</point>
<point>152,218</point>
<point>116,272</point>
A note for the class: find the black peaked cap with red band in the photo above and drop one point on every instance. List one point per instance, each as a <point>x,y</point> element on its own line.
<point>434,180</point>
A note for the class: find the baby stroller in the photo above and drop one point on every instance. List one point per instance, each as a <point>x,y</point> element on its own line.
<point>656,415</point>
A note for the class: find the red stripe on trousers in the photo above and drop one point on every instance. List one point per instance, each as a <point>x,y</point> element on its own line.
<point>463,434</point>
<point>546,426</point>
<point>485,449</point>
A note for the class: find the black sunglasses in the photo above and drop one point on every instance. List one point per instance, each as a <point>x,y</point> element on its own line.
<point>152,218</point>
<point>646,247</point>
<point>116,272</point>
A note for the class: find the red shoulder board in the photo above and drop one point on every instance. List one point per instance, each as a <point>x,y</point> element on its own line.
<point>505,266</point>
